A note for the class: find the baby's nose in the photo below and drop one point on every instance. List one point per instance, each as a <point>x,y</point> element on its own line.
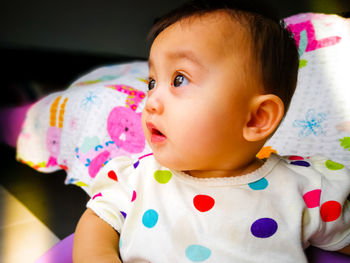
<point>154,104</point>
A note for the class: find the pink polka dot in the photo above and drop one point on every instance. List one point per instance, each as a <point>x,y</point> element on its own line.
<point>330,211</point>
<point>133,196</point>
<point>312,198</point>
<point>295,158</point>
<point>203,203</point>
<point>96,195</point>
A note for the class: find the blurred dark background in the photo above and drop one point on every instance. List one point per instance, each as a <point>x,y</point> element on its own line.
<point>46,44</point>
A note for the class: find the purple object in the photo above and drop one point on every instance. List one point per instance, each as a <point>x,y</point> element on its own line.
<point>316,255</point>
<point>59,253</point>
<point>62,252</point>
<point>11,120</point>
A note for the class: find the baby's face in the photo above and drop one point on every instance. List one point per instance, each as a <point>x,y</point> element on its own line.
<point>200,97</point>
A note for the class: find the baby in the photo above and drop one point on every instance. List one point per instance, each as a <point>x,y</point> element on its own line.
<point>221,77</point>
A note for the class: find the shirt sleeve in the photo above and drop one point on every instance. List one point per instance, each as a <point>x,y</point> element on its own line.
<point>112,192</point>
<point>327,217</point>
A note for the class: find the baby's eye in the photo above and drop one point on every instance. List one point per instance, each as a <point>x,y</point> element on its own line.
<point>180,80</point>
<point>151,84</point>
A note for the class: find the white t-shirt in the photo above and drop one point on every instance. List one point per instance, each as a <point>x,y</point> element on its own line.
<point>269,215</point>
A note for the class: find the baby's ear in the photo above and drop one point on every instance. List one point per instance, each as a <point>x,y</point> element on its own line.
<point>265,114</point>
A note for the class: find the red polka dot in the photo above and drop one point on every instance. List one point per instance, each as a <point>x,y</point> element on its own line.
<point>330,211</point>
<point>112,175</point>
<point>203,203</point>
<point>295,157</point>
<point>312,198</point>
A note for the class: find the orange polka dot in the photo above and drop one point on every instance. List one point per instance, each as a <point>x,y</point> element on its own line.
<point>265,152</point>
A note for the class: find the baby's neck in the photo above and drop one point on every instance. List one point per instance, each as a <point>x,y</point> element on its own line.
<point>221,173</point>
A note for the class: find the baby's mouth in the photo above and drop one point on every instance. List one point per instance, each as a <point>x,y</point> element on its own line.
<point>156,135</point>
<point>156,132</point>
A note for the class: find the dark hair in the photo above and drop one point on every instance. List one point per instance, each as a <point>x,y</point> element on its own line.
<point>274,48</point>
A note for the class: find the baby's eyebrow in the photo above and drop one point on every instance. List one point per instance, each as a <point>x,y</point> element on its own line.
<point>186,54</point>
<point>182,54</point>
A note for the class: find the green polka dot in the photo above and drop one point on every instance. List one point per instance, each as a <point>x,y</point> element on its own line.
<point>333,165</point>
<point>162,176</point>
<point>302,63</point>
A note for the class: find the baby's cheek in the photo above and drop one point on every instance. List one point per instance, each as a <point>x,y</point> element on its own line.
<point>143,121</point>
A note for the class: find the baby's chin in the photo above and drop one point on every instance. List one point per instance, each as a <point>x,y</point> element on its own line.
<point>171,163</point>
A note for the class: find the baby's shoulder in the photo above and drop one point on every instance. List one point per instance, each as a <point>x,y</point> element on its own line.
<point>319,163</point>
<point>316,169</point>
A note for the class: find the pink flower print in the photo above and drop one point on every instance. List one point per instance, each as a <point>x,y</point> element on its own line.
<point>124,127</point>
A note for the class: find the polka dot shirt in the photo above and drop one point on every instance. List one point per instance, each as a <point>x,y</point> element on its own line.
<point>270,215</point>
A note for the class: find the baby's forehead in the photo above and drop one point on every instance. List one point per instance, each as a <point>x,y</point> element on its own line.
<point>211,37</point>
<point>228,23</point>
<point>230,31</point>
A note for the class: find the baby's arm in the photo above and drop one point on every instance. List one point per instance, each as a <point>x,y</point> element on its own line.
<point>345,250</point>
<point>95,240</point>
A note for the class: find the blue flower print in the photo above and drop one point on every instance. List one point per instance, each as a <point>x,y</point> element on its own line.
<point>90,99</point>
<point>311,124</point>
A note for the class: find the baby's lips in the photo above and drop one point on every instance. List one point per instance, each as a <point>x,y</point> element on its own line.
<point>150,126</point>
<point>153,129</point>
<point>157,137</point>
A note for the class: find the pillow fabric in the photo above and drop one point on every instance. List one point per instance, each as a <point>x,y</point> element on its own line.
<point>83,127</point>
<point>98,117</point>
<point>318,120</point>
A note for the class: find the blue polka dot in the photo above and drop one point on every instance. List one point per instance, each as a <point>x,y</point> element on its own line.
<point>259,185</point>
<point>120,243</point>
<point>197,253</point>
<point>150,218</point>
<point>300,163</point>
<point>264,227</point>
